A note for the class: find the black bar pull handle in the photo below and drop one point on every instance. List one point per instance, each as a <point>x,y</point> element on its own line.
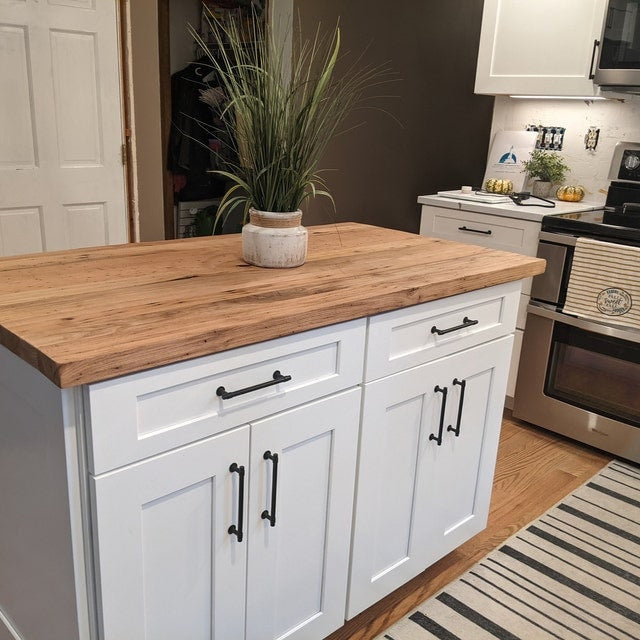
<point>596,44</point>
<point>465,228</point>
<point>277,378</point>
<point>465,323</point>
<point>462,384</point>
<point>233,529</point>
<point>271,517</point>
<point>438,438</point>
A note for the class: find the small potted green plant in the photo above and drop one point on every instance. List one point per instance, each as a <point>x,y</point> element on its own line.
<point>547,168</point>
<point>279,122</point>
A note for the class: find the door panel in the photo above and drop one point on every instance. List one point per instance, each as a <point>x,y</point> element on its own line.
<point>399,412</point>
<point>61,172</point>
<point>456,477</point>
<point>298,568</point>
<point>167,566</point>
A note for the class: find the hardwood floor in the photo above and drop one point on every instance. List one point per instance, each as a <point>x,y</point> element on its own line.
<point>535,469</point>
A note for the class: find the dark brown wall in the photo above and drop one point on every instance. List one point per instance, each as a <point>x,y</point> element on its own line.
<point>442,141</point>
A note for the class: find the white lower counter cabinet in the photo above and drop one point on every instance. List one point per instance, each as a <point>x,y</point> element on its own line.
<point>427,454</point>
<point>169,564</point>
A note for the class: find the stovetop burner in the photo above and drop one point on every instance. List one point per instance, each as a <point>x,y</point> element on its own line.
<point>596,224</point>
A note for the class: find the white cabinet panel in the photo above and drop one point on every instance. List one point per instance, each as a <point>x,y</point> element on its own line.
<point>167,566</point>
<point>298,567</point>
<point>538,48</point>
<point>422,490</point>
<point>409,337</point>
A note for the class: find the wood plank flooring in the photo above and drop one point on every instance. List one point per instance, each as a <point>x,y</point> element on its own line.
<point>535,469</point>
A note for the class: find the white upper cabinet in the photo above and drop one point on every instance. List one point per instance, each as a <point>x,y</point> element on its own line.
<point>540,48</point>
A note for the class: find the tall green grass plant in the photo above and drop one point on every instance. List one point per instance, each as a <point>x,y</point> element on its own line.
<point>279,123</point>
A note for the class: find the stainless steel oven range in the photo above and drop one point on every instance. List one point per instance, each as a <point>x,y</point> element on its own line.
<point>581,377</point>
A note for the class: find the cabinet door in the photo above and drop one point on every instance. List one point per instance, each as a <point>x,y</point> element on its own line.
<point>167,567</point>
<point>298,568</point>
<point>456,477</point>
<point>417,498</point>
<point>538,48</point>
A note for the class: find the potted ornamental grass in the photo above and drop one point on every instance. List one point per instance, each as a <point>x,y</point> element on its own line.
<point>278,121</point>
<point>547,168</point>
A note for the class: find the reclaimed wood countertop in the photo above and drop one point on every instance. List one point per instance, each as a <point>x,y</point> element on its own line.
<point>87,315</point>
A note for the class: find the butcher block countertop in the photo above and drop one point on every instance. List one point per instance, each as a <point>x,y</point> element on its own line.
<point>87,315</point>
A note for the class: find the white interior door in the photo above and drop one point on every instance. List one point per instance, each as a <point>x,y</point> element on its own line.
<point>61,172</point>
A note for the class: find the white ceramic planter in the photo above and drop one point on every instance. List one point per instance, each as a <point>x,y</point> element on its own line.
<point>274,240</point>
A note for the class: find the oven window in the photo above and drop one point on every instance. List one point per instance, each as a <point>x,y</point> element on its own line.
<point>621,41</point>
<point>595,372</point>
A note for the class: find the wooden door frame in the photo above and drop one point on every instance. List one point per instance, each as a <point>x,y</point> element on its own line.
<point>129,154</point>
<point>164,56</point>
<point>127,116</point>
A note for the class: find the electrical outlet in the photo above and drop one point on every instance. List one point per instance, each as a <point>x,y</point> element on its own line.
<point>591,139</point>
<point>550,138</point>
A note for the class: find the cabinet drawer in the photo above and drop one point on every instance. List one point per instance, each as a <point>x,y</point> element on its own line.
<point>496,232</point>
<point>406,338</point>
<point>146,413</point>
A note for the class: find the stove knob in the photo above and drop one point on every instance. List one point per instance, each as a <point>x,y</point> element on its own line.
<point>631,162</point>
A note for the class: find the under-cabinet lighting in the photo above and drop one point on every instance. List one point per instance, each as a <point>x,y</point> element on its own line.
<point>560,97</point>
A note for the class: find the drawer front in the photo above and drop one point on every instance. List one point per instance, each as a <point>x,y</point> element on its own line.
<point>146,413</point>
<point>407,338</point>
<point>495,232</point>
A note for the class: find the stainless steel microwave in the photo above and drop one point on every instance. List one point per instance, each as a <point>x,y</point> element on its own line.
<point>618,66</point>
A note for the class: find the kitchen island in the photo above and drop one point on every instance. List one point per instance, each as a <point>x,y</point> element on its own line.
<point>180,432</point>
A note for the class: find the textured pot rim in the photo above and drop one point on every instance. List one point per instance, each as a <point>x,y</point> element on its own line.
<point>274,219</point>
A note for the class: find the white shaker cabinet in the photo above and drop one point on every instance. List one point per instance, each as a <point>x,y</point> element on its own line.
<point>544,47</point>
<point>182,536</point>
<point>427,453</point>
<point>166,565</point>
<point>297,568</point>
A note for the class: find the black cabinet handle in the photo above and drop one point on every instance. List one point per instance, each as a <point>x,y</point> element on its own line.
<point>233,529</point>
<point>596,44</point>
<point>486,233</point>
<point>277,378</point>
<point>463,384</point>
<point>465,323</point>
<point>438,438</point>
<point>271,517</point>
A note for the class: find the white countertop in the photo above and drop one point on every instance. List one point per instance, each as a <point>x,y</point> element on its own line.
<point>510,209</point>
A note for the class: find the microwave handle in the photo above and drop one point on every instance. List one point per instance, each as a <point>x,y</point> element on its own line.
<point>596,44</point>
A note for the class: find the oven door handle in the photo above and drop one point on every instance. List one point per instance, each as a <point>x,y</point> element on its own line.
<point>620,332</point>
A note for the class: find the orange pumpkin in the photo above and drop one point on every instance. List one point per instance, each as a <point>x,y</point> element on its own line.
<point>570,193</point>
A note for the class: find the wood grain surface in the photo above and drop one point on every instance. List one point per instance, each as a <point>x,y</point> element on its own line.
<point>87,315</point>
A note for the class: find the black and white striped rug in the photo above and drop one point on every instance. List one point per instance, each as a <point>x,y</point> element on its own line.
<point>572,574</point>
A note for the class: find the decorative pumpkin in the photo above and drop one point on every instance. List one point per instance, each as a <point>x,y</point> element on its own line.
<point>570,193</point>
<point>494,185</point>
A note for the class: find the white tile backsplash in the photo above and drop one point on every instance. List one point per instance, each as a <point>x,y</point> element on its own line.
<point>617,121</point>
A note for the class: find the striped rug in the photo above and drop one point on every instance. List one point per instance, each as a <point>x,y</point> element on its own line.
<point>572,574</point>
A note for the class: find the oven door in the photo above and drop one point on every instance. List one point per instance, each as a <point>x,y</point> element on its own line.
<point>581,379</point>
